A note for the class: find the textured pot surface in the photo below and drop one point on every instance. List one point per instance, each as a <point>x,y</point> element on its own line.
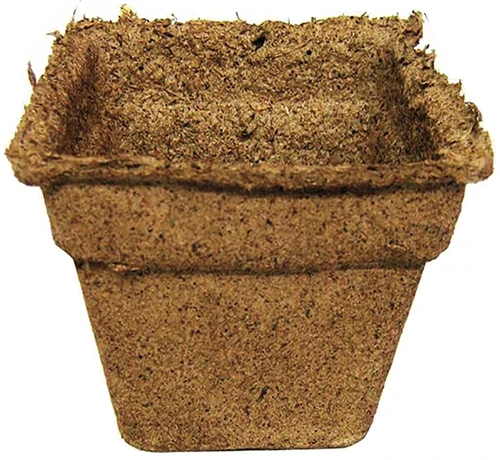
<point>249,208</point>
<point>230,321</point>
<point>179,229</point>
<point>211,361</point>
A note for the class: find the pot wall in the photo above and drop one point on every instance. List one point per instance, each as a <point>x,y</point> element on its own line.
<point>188,229</point>
<point>229,321</point>
<point>215,362</point>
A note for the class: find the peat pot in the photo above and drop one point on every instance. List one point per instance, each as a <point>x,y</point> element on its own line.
<point>249,208</point>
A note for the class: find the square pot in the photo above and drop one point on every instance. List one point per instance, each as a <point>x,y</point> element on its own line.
<point>249,208</point>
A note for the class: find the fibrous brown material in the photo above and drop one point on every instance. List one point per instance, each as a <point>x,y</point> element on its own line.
<point>249,106</point>
<point>249,208</point>
<point>209,361</point>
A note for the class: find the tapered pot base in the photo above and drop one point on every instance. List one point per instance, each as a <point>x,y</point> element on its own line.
<point>224,361</point>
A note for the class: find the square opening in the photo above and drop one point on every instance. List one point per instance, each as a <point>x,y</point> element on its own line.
<point>327,104</point>
<point>319,93</point>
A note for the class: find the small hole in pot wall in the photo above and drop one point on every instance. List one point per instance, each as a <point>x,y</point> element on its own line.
<point>259,41</point>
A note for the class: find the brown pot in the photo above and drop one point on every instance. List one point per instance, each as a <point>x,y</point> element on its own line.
<point>249,208</point>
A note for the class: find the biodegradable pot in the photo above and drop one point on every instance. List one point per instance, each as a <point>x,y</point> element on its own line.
<point>249,208</point>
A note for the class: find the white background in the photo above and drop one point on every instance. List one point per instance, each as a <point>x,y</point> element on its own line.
<point>442,397</point>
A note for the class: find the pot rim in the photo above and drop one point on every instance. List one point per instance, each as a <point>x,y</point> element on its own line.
<point>463,153</point>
